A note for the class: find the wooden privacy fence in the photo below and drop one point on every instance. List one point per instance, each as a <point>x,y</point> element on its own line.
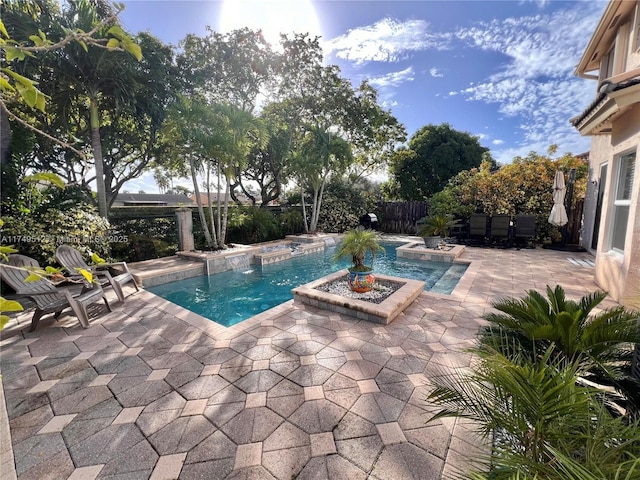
<point>400,217</point>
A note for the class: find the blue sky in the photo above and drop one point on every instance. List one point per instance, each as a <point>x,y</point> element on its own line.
<point>501,70</point>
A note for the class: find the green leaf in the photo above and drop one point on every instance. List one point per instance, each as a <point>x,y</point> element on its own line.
<point>19,78</point>
<point>117,32</point>
<point>95,258</point>
<point>37,41</point>
<point>113,43</point>
<point>10,305</point>
<point>46,177</point>
<point>32,96</point>
<point>133,48</point>
<point>3,321</point>
<point>3,30</point>
<point>5,251</point>
<point>83,45</point>
<point>13,53</point>
<point>86,274</point>
<point>5,85</point>
<point>33,277</point>
<point>52,270</point>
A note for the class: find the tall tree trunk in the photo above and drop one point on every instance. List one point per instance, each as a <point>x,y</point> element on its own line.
<point>96,145</point>
<point>314,211</point>
<point>304,209</point>
<point>221,233</point>
<point>223,229</point>
<point>318,204</point>
<point>210,205</point>
<point>196,191</point>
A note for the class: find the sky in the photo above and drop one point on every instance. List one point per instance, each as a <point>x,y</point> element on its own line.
<point>501,70</point>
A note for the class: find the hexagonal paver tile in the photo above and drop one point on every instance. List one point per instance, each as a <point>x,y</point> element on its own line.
<point>258,381</point>
<point>407,461</point>
<point>361,451</point>
<point>285,436</point>
<point>182,434</point>
<point>333,466</point>
<point>317,416</point>
<point>252,425</point>
<point>310,375</point>
<point>360,369</point>
<point>203,387</point>
<point>378,407</point>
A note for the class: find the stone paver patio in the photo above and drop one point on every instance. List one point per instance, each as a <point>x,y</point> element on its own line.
<point>298,392</point>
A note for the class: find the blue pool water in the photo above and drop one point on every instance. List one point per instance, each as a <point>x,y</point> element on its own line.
<point>228,298</point>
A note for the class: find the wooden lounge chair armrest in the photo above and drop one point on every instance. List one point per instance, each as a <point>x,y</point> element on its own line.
<point>122,265</point>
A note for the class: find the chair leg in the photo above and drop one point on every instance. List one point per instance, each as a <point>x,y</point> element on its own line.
<point>118,289</point>
<point>104,298</point>
<point>37,315</point>
<point>81,312</point>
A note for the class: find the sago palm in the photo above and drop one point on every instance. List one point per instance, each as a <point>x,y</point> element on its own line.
<point>601,341</point>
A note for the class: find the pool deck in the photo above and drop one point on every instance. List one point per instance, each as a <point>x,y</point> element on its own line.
<point>150,391</point>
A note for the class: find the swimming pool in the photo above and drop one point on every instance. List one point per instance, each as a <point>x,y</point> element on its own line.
<point>230,297</point>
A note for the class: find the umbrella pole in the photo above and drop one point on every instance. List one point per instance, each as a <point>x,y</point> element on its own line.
<point>565,228</point>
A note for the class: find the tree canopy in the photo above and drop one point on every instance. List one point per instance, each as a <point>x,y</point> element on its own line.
<point>435,154</point>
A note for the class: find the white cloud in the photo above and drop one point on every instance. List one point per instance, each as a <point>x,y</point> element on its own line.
<point>388,40</point>
<point>393,79</point>
<point>436,72</point>
<point>536,86</point>
<point>497,141</point>
<point>386,85</point>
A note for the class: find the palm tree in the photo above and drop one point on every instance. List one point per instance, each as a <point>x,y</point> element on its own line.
<point>242,131</point>
<point>355,245</point>
<point>541,423</point>
<point>100,75</point>
<point>323,153</point>
<point>574,330</point>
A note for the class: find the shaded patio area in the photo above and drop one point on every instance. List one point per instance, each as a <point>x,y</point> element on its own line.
<point>150,391</point>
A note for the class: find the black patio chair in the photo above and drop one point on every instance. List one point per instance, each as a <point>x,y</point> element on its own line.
<point>499,231</point>
<point>478,228</point>
<point>525,229</point>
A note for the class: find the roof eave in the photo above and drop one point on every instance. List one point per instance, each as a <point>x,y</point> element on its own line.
<point>589,61</point>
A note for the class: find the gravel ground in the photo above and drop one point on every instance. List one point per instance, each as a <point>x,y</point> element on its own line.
<point>381,290</point>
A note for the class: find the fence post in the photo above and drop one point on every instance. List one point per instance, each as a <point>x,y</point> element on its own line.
<point>185,229</point>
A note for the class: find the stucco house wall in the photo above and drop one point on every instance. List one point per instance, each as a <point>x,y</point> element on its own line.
<point>619,274</point>
<point>612,60</point>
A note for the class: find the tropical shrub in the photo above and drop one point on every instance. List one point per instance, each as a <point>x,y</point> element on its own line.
<point>521,187</point>
<point>142,237</point>
<point>291,222</point>
<point>252,225</point>
<point>543,425</point>
<point>344,203</point>
<point>573,330</point>
<point>537,389</point>
<point>39,235</point>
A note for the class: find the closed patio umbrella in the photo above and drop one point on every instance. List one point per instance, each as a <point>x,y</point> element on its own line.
<point>558,214</point>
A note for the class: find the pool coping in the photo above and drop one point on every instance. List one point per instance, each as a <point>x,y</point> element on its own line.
<point>384,312</point>
<point>221,332</point>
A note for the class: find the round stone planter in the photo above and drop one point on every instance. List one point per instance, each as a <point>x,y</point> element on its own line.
<point>361,282</point>
<point>432,242</point>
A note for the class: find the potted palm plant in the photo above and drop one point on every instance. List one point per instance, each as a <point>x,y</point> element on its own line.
<point>355,245</point>
<point>433,229</point>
